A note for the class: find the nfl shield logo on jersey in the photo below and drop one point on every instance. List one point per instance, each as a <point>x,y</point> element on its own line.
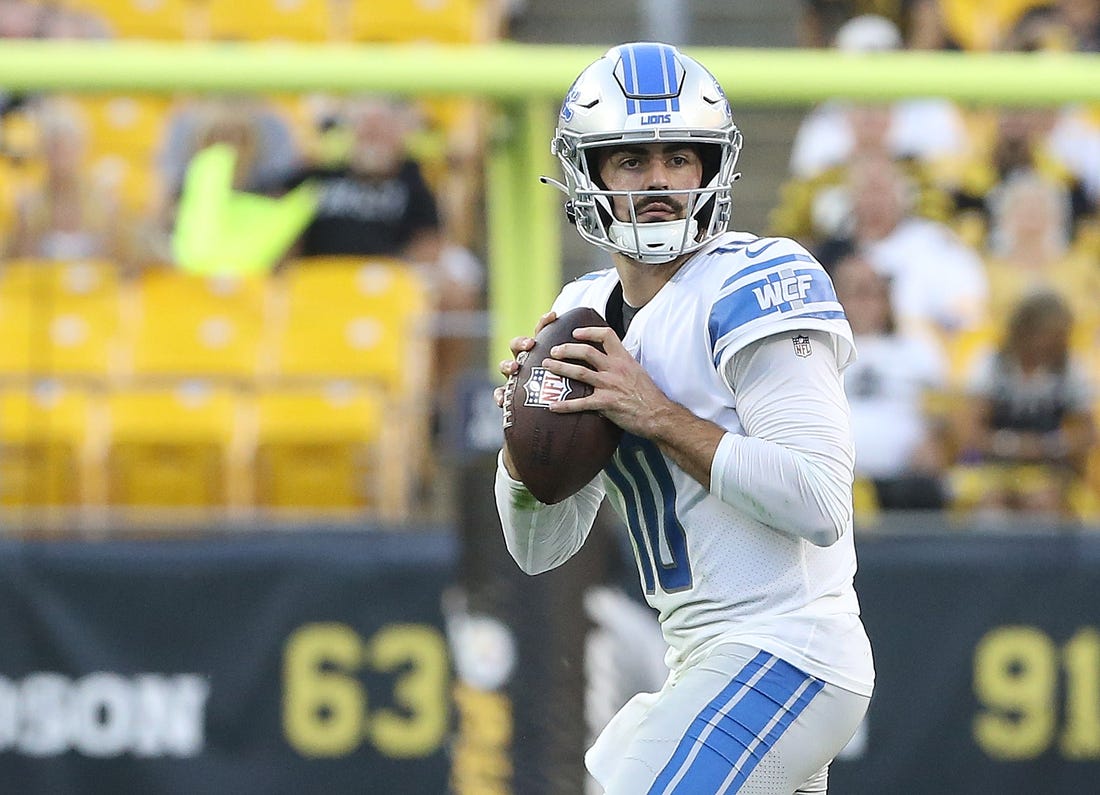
<point>802,346</point>
<point>545,387</point>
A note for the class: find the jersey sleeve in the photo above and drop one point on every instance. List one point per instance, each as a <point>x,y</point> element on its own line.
<point>770,286</point>
<point>541,537</point>
<point>792,470</point>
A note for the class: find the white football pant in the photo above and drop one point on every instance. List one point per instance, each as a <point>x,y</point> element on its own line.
<point>740,721</point>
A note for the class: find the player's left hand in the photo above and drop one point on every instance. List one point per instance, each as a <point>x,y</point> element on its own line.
<point>623,391</point>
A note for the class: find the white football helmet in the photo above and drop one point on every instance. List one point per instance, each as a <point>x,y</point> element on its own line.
<point>636,94</point>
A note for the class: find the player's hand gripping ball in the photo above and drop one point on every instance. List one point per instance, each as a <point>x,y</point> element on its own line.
<point>556,455</point>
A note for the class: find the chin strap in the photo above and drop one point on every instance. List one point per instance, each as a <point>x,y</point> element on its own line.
<point>656,242</point>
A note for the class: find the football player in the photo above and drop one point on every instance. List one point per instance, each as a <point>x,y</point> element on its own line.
<point>734,477</point>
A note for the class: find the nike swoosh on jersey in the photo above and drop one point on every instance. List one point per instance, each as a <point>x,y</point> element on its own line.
<point>759,251</point>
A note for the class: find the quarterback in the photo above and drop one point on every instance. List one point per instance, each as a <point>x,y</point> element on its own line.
<point>734,475</point>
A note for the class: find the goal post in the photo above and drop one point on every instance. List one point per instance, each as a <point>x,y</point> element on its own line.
<point>524,81</point>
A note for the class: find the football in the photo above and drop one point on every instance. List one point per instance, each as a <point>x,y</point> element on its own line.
<point>556,455</point>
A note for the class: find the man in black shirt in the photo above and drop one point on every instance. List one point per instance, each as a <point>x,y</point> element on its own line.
<point>375,202</point>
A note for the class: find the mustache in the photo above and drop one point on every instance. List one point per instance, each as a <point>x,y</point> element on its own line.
<point>646,202</point>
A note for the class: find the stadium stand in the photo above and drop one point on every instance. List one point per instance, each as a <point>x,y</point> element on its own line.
<point>59,319</point>
<point>184,446</point>
<point>445,21</point>
<point>147,19</point>
<point>270,20</point>
<point>344,317</point>
<point>321,448</point>
<point>186,326</point>
<point>49,431</point>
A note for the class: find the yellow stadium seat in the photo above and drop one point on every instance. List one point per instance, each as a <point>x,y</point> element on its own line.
<point>445,21</point>
<point>355,319</point>
<point>266,20</point>
<point>59,318</point>
<point>180,447</point>
<point>131,125</point>
<point>146,19</point>
<point>48,442</point>
<point>188,326</point>
<point>330,447</point>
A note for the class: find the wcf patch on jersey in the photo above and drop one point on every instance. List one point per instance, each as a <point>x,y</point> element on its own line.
<point>802,347</point>
<point>544,388</point>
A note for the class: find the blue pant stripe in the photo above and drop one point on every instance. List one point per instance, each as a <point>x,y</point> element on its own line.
<point>737,728</point>
<point>785,720</point>
<point>704,719</point>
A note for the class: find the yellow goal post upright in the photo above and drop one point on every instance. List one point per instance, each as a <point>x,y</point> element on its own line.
<point>525,82</point>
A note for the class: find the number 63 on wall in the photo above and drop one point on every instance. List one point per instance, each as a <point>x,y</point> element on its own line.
<point>325,705</point>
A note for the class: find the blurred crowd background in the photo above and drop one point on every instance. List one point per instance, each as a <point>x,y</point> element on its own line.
<point>268,305</point>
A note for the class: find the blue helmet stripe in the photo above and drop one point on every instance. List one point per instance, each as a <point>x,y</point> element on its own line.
<point>649,72</point>
<point>671,86</point>
<point>630,77</point>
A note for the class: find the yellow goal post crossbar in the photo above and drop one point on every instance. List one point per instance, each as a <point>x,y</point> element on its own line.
<point>526,81</point>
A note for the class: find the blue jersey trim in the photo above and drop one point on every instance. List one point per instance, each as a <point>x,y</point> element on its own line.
<point>831,314</point>
<point>771,263</point>
<point>790,291</point>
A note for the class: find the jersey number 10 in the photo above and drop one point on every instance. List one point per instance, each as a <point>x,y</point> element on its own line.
<point>639,471</point>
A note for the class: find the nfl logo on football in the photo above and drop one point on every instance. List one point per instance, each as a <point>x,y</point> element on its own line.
<point>544,388</point>
<point>802,346</point>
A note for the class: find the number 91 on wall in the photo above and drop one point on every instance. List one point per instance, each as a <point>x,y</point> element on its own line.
<point>1036,695</point>
<point>327,711</point>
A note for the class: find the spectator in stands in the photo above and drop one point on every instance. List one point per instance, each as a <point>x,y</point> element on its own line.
<point>1040,29</point>
<point>21,19</point>
<point>271,146</point>
<point>1082,17</point>
<point>966,25</point>
<point>937,282</point>
<point>927,137</point>
<point>821,20</point>
<point>1074,144</point>
<point>63,23</point>
<point>1029,248</point>
<point>924,129</point>
<point>374,201</point>
<point>68,216</point>
<point>1024,143</point>
<point>221,222</point>
<point>1027,423</point>
<point>900,445</point>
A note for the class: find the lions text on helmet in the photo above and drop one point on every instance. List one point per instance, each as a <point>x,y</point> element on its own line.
<point>637,95</point>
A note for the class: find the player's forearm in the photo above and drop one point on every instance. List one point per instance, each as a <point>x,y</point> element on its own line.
<point>540,537</point>
<point>689,441</point>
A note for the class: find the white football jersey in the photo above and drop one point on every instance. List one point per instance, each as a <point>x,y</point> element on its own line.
<point>714,573</point>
